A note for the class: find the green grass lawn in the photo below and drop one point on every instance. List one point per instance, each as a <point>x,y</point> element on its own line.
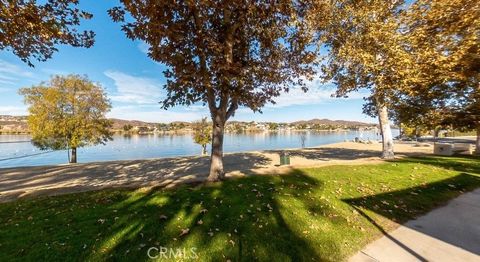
<point>325,213</point>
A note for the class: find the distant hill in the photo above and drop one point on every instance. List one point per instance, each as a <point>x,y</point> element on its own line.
<point>119,123</point>
<point>13,118</point>
<point>19,123</point>
<point>331,122</point>
<point>13,123</point>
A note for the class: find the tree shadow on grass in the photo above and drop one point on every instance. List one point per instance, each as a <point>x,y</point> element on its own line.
<point>50,180</point>
<point>244,219</point>
<point>240,220</point>
<point>328,154</point>
<point>404,205</point>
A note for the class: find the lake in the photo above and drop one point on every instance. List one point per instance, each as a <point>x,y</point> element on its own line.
<point>16,150</point>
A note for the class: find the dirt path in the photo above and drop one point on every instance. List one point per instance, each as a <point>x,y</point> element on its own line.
<point>51,180</point>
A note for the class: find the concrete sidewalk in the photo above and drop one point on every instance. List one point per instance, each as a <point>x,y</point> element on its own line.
<point>450,233</point>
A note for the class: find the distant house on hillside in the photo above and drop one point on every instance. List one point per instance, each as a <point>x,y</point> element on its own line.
<point>261,126</point>
<point>142,129</point>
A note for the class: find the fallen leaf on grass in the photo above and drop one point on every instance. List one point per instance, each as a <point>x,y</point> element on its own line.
<point>184,232</point>
<point>269,207</point>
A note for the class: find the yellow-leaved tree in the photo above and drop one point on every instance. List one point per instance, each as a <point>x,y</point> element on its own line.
<point>443,39</point>
<point>363,42</point>
<point>202,134</point>
<point>67,112</point>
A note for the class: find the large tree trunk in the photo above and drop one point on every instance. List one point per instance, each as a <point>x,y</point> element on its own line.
<point>216,165</point>
<point>227,105</point>
<point>477,144</point>
<point>387,138</point>
<point>73,155</point>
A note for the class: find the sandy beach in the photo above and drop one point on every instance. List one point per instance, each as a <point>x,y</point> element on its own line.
<point>167,172</point>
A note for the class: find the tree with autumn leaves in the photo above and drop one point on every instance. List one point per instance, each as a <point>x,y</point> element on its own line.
<point>420,60</point>
<point>363,50</point>
<point>440,86</point>
<point>229,54</point>
<point>224,54</point>
<point>32,30</point>
<point>443,39</point>
<point>202,134</point>
<point>67,112</point>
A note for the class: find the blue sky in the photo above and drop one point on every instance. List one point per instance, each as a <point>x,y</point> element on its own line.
<point>134,82</point>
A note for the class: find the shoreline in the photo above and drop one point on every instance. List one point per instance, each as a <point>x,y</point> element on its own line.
<point>423,139</point>
<point>171,156</point>
<point>189,156</point>
<point>19,182</point>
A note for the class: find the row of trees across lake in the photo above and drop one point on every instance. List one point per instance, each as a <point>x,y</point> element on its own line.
<point>420,60</point>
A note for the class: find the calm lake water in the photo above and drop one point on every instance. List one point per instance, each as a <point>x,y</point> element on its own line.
<point>14,152</point>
